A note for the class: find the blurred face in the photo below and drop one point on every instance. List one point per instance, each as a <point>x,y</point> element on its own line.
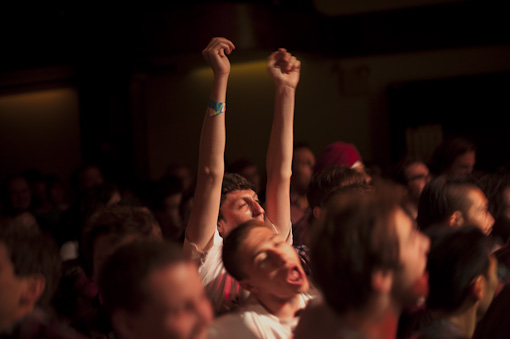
<point>10,290</point>
<point>177,306</point>
<point>411,282</point>
<point>302,169</point>
<point>20,195</point>
<point>239,207</point>
<point>464,163</point>
<point>272,265</point>
<point>478,213</point>
<point>490,286</point>
<point>418,176</point>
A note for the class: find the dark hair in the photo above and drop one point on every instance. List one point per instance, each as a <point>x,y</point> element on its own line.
<point>441,197</point>
<point>123,276</point>
<point>324,182</point>
<point>456,257</point>
<point>355,236</point>
<point>116,222</point>
<point>32,252</point>
<point>233,182</point>
<point>445,154</point>
<point>231,245</point>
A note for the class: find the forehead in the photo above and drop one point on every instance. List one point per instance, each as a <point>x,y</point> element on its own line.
<point>256,238</point>
<point>303,153</point>
<point>240,194</point>
<point>416,168</point>
<point>476,196</point>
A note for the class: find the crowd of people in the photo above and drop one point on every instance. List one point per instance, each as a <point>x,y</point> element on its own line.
<point>320,247</point>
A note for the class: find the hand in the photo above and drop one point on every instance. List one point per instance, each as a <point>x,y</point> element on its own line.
<point>215,55</point>
<point>284,68</point>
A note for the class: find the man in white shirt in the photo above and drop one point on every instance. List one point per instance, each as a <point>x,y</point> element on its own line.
<point>270,269</point>
<point>221,203</point>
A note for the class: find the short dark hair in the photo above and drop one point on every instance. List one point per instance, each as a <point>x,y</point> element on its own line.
<point>231,245</point>
<point>456,257</point>
<point>324,182</point>
<point>32,252</point>
<point>123,276</point>
<point>441,197</point>
<point>116,221</point>
<point>233,182</point>
<point>355,236</point>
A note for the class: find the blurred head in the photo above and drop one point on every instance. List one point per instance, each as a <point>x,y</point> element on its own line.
<point>263,262</point>
<point>111,227</point>
<point>324,183</point>
<point>239,203</point>
<point>455,155</point>
<point>462,270</point>
<point>17,194</point>
<point>365,246</point>
<point>303,162</point>
<point>413,174</point>
<point>29,272</point>
<point>151,291</point>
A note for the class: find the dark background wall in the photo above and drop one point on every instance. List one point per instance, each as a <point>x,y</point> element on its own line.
<point>127,85</point>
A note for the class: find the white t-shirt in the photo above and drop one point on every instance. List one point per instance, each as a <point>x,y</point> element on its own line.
<point>224,291</point>
<point>256,319</point>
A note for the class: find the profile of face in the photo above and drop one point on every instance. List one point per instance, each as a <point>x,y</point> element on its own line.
<point>176,306</point>
<point>239,207</point>
<point>411,280</point>
<point>20,195</point>
<point>272,266</point>
<point>478,212</point>
<point>302,169</point>
<point>417,175</point>
<point>463,164</point>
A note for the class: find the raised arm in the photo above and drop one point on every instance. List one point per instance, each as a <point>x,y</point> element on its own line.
<point>284,69</point>
<point>211,167</point>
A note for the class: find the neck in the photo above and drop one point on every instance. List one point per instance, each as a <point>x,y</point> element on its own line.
<point>465,319</point>
<point>376,320</point>
<point>281,308</point>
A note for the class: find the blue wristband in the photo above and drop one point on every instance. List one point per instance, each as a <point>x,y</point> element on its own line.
<point>218,107</point>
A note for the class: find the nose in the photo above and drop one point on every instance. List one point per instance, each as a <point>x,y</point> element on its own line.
<point>256,209</point>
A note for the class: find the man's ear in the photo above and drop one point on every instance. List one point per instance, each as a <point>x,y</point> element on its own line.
<point>122,323</point>
<point>477,287</point>
<point>382,281</point>
<point>221,227</point>
<point>33,288</point>
<point>456,219</point>
<point>317,212</point>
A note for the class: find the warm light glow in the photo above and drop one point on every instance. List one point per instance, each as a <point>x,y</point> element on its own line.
<point>245,68</point>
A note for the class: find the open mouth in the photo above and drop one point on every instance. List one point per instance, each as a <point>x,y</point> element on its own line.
<point>294,276</point>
